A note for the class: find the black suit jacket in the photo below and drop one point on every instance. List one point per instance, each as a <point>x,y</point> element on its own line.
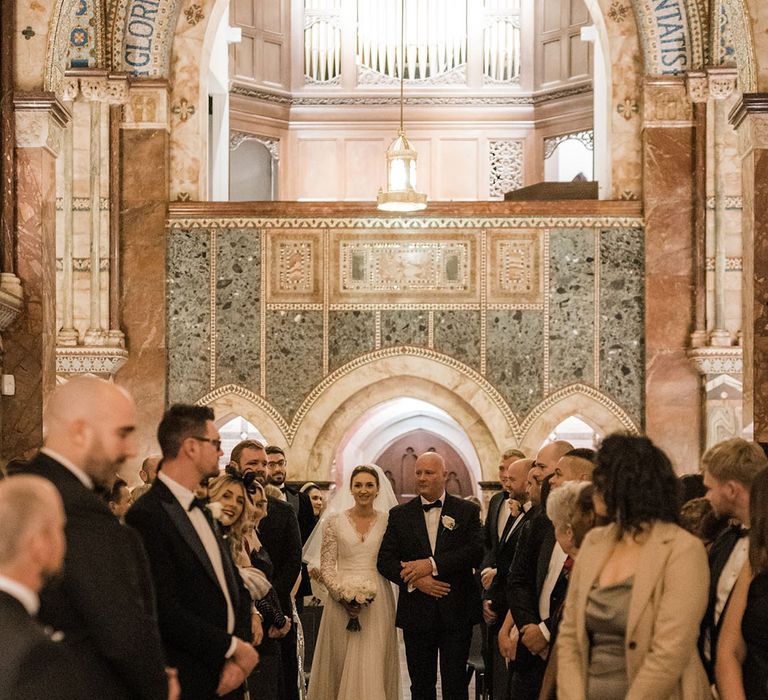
<point>192,609</point>
<point>457,553</point>
<point>302,506</point>
<point>491,529</point>
<point>32,666</point>
<point>102,602</point>
<point>718,557</point>
<point>280,536</point>
<point>505,554</point>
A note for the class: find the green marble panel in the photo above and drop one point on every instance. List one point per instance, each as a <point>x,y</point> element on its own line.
<point>350,334</point>
<point>404,328</point>
<point>457,333</point>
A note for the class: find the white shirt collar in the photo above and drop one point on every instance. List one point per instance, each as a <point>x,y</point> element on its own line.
<point>26,596</point>
<point>527,506</point>
<point>425,502</point>
<point>82,477</point>
<point>182,494</point>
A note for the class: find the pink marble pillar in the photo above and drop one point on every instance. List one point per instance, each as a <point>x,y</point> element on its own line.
<point>750,117</point>
<point>144,177</point>
<point>30,341</point>
<point>672,398</point>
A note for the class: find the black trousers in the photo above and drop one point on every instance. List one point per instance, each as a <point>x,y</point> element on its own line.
<point>289,688</point>
<point>526,679</point>
<point>421,652</point>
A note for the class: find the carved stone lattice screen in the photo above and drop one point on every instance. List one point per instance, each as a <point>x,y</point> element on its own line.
<point>505,166</point>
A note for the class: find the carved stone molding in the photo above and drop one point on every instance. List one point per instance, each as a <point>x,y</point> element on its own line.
<point>455,76</point>
<point>147,105</point>
<point>666,103</point>
<point>40,121</point>
<point>698,86</point>
<point>11,299</point>
<point>750,119</point>
<point>96,86</point>
<point>722,82</point>
<point>709,361</point>
<point>90,360</point>
<point>237,138</point>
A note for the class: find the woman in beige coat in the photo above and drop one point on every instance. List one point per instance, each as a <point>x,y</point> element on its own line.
<point>638,590</point>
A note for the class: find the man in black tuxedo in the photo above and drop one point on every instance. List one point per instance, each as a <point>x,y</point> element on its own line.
<point>280,536</point>
<point>32,544</point>
<point>102,602</point>
<point>277,466</point>
<point>729,467</point>
<point>430,550</point>
<point>203,608</point>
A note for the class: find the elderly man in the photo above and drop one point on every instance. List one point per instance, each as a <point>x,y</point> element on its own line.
<point>32,544</point>
<point>103,602</point>
<point>148,474</point>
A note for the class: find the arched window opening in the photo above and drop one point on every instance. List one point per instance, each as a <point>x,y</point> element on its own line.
<point>235,430</point>
<point>576,431</point>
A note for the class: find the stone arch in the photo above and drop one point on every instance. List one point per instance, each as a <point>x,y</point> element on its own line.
<point>750,45</point>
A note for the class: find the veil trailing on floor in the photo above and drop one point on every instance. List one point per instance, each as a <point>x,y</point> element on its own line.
<point>343,500</point>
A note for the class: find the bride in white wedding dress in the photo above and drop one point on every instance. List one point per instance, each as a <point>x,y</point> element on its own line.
<point>364,664</point>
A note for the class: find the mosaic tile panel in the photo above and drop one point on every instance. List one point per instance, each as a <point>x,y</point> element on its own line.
<point>350,334</point>
<point>571,307</point>
<point>404,328</point>
<point>238,326</point>
<point>621,318</point>
<point>189,315</point>
<point>515,357</point>
<point>457,333</point>
<point>294,357</point>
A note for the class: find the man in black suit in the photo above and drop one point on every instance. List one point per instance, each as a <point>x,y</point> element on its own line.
<point>729,467</point>
<point>280,536</point>
<point>203,608</point>
<point>430,549</point>
<point>496,566</point>
<point>32,544</point>
<point>101,603</point>
<point>277,466</point>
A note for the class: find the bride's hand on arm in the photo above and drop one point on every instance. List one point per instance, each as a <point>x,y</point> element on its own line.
<point>415,569</point>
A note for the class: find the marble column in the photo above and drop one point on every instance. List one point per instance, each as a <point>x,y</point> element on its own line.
<point>672,399</point>
<point>144,182</point>
<point>750,117</point>
<point>30,341</point>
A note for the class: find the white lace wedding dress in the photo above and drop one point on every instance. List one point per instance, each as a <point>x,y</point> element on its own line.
<point>349,665</point>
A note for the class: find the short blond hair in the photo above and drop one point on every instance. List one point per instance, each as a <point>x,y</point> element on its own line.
<point>735,460</point>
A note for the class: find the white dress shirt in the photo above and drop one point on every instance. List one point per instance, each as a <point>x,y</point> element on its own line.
<point>501,521</point>
<point>82,477</point>
<point>432,519</point>
<point>26,596</point>
<point>729,575</point>
<point>556,562</point>
<point>204,531</point>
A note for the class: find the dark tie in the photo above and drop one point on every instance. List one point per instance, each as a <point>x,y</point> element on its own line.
<point>429,506</point>
<point>740,532</point>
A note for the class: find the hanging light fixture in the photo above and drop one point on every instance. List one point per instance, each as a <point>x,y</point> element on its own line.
<point>401,194</point>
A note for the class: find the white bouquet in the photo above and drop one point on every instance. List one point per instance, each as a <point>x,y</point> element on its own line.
<point>355,592</point>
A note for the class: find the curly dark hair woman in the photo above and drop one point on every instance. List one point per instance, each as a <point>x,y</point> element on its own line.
<point>638,589</point>
<point>637,481</point>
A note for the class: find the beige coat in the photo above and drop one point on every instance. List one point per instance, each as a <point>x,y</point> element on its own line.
<point>669,596</point>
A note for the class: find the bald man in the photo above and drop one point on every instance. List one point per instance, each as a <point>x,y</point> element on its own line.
<point>147,474</point>
<point>430,548</point>
<point>32,665</point>
<point>103,601</point>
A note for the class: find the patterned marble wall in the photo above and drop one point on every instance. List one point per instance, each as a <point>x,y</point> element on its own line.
<point>275,306</point>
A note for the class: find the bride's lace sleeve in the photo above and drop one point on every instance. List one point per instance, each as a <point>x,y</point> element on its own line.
<point>329,551</point>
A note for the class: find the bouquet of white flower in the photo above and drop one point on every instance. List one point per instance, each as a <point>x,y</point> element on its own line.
<point>354,593</point>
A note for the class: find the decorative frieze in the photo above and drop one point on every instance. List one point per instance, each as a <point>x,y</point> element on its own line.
<point>666,103</point>
<point>90,360</point>
<point>713,361</point>
<point>40,121</point>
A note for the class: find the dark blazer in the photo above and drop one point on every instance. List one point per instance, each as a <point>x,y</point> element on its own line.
<point>457,553</point>
<point>491,529</point>
<point>280,536</point>
<point>302,506</point>
<point>102,601</point>
<point>192,609</point>
<point>32,666</point>
<point>505,554</point>
<point>718,557</point>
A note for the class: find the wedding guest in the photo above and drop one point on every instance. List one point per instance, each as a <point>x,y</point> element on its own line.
<point>699,518</point>
<point>147,474</point>
<point>315,497</point>
<point>119,499</point>
<point>279,533</point>
<point>729,469</point>
<point>638,590</point>
<point>742,654</point>
<point>101,601</point>
<point>32,544</point>
<point>203,608</point>
<point>430,548</point>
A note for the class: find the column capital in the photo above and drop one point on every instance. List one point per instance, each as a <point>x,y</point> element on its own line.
<point>96,85</point>
<point>722,82</point>
<point>750,119</point>
<point>697,85</point>
<point>666,103</point>
<point>40,120</point>
<point>147,105</point>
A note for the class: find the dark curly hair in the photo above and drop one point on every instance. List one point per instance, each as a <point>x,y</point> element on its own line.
<point>637,482</point>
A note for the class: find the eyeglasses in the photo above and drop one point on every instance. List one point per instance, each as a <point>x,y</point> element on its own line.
<point>216,443</point>
<point>278,463</point>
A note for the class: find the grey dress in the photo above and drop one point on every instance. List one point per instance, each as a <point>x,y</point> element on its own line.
<point>606,621</point>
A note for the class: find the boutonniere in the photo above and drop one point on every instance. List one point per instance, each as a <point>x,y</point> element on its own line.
<point>448,522</point>
<point>515,507</point>
<point>54,635</point>
<point>215,508</point>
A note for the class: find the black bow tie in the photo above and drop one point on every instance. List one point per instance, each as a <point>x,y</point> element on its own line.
<point>200,503</point>
<point>429,506</point>
<point>740,531</point>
